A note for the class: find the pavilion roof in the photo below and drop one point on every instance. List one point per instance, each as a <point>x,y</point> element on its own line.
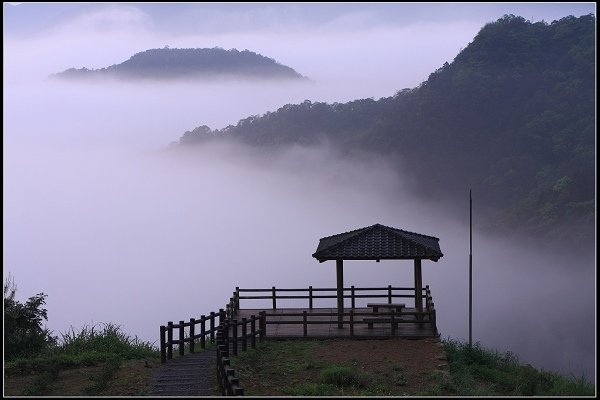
<point>378,242</point>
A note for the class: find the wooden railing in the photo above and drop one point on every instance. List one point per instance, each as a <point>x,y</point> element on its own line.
<point>242,332</point>
<point>311,294</point>
<point>230,333</point>
<point>228,383</point>
<point>351,319</point>
<point>204,333</point>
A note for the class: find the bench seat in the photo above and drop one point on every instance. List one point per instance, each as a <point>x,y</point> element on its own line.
<point>377,306</point>
<point>382,320</point>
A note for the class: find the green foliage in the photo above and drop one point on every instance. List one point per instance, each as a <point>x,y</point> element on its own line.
<point>170,63</point>
<point>341,375</point>
<point>477,371</point>
<point>100,382</point>
<point>24,335</point>
<point>310,389</point>
<point>105,338</point>
<point>512,117</point>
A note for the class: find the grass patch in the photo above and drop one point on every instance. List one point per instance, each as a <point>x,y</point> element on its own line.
<point>477,371</point>
<point>294,368</point>
<point>342,376</point>
<point>103,344</point>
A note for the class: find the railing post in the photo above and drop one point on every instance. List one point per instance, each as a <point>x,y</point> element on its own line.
<point>352,295</point>
<point>212,326</point>
<point>163,347</point>
<point>244,335</point>
<point>310,298</point>
<point>222,315</point>
<point>170,340</point>
<point>253,331</point>
<point>226,333</point>
<point>389,294</point>
<point>203,331</point>
<point>274,299</point>
<point>181,338</point>
<point>263,325</point>
<point>237,298</point>
<point>304,321</point>
<point>234,336</point>
<point>192,334</point>
<point>352,319</point>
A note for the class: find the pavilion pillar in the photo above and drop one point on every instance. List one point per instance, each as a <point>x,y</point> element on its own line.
<point>418,286</point>
<point>339,268</point>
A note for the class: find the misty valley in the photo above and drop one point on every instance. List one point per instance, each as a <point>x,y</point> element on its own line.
<point>141,201</point>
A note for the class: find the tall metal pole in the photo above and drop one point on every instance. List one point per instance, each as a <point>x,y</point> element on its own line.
<point>470,269</point>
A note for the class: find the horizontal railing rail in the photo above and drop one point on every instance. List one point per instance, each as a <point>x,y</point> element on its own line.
<point>351,318</point>
<point>311,294</point>
<point>229,333</point>
<point>207,330</point>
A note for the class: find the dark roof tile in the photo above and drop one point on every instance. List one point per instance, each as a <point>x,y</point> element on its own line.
<point>378,242</point>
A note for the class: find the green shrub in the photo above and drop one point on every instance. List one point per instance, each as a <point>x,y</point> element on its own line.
<point>341,376</point>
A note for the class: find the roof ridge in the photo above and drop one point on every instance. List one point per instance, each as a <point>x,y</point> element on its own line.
<point>424,244</point>
<point>409,232</point>
<point>355,233</point>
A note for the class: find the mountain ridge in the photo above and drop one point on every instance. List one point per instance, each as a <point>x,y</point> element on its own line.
<point>173,63</point>
<point>512,117</point>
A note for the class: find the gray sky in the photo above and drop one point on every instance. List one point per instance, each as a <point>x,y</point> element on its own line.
<point>105,223</point>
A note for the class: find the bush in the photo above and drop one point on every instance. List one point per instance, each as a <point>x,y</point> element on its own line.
<point>24,335</point>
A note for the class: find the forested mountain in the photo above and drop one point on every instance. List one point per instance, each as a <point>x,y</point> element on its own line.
<point>512,117</point>
<point>167,63</point>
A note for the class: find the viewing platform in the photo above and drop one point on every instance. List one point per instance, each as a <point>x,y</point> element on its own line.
<point>293,313</point>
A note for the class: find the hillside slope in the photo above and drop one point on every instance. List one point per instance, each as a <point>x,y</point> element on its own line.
<point>512,117</point>
<point>167,63</point>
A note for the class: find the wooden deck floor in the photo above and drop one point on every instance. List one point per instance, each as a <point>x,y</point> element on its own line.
<point>277,328</point>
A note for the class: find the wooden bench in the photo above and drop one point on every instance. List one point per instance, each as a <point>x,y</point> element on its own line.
<point>395,306</point>
<point>382,320</point>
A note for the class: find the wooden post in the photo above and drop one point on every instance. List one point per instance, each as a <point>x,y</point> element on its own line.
<point>389,294</point>
<point>274,299</point>
<point>235,337</point>
<point>163,347</point>
<point>352,296</point>
<point>170,340</point>
<point>192,334</point>
<point>212,326</point>
<point>310,298</point>
<point>253,331</point>
<point>339,264</point>
<point>304,321</point>
<point>203,331</point>
<point>181,338</point>
<point>244,335</point>
<point>418,286</point>
<point>262,325</point>
<point>237,298</point>
<point>352,320</point>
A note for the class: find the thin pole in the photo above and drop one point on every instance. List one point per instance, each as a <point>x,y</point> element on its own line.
<point>470,269</point>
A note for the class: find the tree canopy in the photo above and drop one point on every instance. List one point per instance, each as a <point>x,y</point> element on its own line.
<point>512,117</point>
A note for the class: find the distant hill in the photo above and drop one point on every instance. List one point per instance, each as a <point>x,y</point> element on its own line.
<point>512,117</point>
<point>167,63</point>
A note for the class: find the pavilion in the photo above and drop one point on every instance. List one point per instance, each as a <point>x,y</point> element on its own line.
<point>378,242</point>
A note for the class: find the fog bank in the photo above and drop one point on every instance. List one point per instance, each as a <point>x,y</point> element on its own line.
<point>114,227</point>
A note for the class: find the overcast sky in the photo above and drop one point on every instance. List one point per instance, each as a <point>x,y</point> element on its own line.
<point>97,217</point>
<point>380,47</point>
